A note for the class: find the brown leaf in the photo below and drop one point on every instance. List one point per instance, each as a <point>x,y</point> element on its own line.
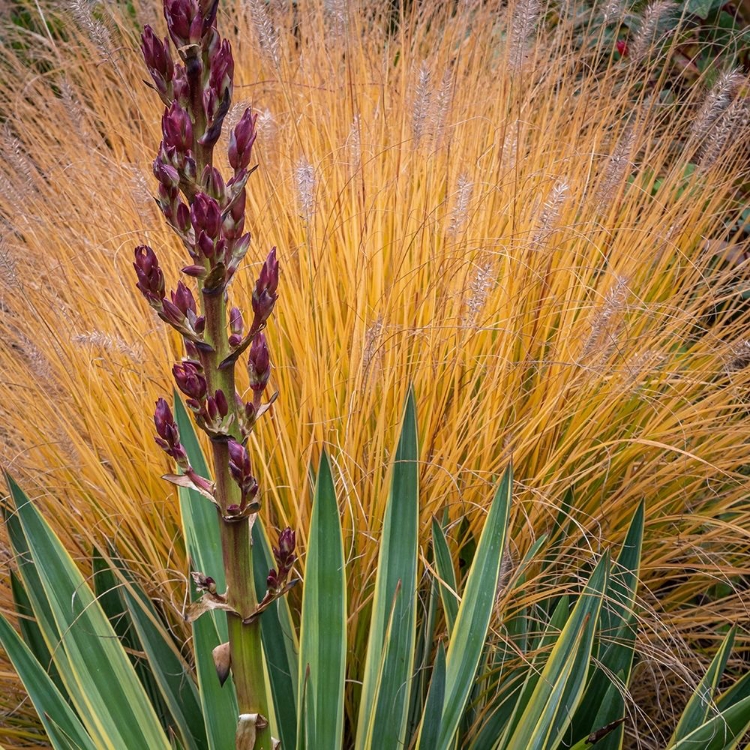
<point>181,480</point>
<point>268,600</point>
<point>247,730</point>
<point>206,603</point>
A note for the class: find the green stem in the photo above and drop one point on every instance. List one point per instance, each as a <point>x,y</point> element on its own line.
<point>244,640</point>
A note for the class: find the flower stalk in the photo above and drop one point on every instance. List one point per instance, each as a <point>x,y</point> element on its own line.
<point>207,213</point>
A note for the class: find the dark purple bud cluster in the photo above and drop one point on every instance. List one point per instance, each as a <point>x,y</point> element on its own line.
<point>168,436</point>
<point>207,213</point>
<point>213,185</point>
<point>181,312</point>
<point>241,471</point>
<point>159,62</point>
<point>236,326</point>
<point>184,21</point>
<point>264,294</point>
<point>197,95</point>
<point>241,142</point>
<point>259,364</point>
<point>285,558</point>
<point>190,380</point>
<point>211,411</point>
<point>150,276</point>
<point>218,93</point>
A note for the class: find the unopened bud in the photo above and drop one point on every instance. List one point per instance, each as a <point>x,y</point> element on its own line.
<point>184,21</point>
<point>221,63</point>
<point>272,581</point>
<point>190,380</point>
<point>168,436</point>
<point>213,184</point>
<point>158,61</point>
<point>240,469</point>
<point>217,407</point>
<point>264,294</point>
<point>197,272</point>
<point>180,86</point>
<point>234,221</point>
<point>182,309</point>
<point>183,299</point>
<point>150,276</point>
<point>166,174</point>
<point>259,363</point>
<point>177,129</point>
<point>285,559</point>
<point>241,141</point>
<point>236,326</point>
<point>205,216</point>
<point>287,543</point>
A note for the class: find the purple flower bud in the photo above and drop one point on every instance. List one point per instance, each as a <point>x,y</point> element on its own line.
<point>259,364</point>
<point>239,459</point>
<point>195,271</point>
<point>183,299</point>
<point>168,436</point>
<point>164,422</point>
<point>205,215</point>
<point>285,559</point>
<point>217,407</point>
<point>158,60</point>
<point>184,21</point>
<point>167,197</point>
<point>264,294</point>
<point>182,217</point>
<point>182,308</point>
<point>208,11</point>
<point>191,350</point>
<point>234,221</point>
<point>213,184</point>
<point>180,86</point>
<point>272,581</point>
<point>190,381</point>
<point>205,244</point>
<point>221,64</point>
<point>211,410</point>
<point>172,314</point>
<point>287,540</point>
<point>177,129</point>
<point>241,141</point>
<point>240,469</point>
<point>221,403</point>
<point>236,326</point>
<point>150,276</point>
<point>166,174</point>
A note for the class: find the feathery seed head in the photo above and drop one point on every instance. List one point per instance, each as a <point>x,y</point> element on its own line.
<point>422,102</point>
<point>305,180</point>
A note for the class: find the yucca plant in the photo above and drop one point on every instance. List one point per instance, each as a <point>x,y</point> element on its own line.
<point>464,689</point>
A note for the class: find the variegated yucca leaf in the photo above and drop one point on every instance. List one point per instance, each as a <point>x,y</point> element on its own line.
<point>468,690</point>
